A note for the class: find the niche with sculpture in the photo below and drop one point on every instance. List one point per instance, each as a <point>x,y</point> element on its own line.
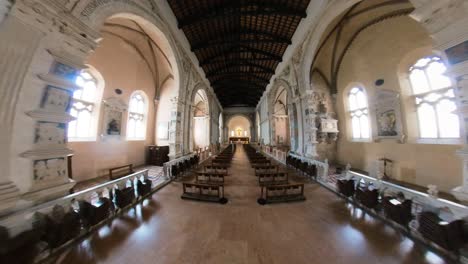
<point>113,116</point>
<point>326,124</point>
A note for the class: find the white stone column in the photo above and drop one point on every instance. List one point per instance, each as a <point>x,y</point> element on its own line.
<point>36,84</point>
<point>310,129</point>
<point>5,6</point>
<point>17,47</point>
<point>446,22</point>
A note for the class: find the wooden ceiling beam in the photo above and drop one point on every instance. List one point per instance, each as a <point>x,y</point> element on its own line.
<point>240,49</point>
<point>224,60</point>
<point>239,85</point>
<point>211,44</point>
<point>239,76</point>
<point>240,64</point>
<point>250,74</point>
<point>237,9</point>
<point>232,36</point>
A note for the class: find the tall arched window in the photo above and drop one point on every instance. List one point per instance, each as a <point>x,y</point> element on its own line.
<point>359,113</point>
<point>137,110</point>
<point>435,99</point>
<point>84,108</point>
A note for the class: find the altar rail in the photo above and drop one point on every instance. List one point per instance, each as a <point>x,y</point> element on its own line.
<point>203,155</point>
<point>322,166</point>
<point>20,224</point>
<point>275,153</point>
<point>421,205</point>
<point>459,211</point>
<point>167,166</point>
<point>21,220</point>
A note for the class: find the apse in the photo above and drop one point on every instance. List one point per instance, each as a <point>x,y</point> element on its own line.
<point>239,127</point>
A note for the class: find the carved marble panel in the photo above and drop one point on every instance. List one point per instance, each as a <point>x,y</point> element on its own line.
<point>65,71</point>
<point>56,99</point>
<point>458,53</point>
<point>49,169</point>
<point>49,133</point>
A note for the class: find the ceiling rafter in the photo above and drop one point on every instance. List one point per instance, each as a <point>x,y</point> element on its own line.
<point>239,43</point>
<point>255,73</point>
<point>242,49</point>
<point>241,64</point>
<point>224,60</point>
<point>236,8</point>
<point>210,44</point>
<point>230,37</point>
<point>230,75</point>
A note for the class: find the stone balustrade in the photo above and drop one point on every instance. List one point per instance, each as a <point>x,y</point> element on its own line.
<point>21,220</point>
<point>73,216</point>
<point>458,211</point>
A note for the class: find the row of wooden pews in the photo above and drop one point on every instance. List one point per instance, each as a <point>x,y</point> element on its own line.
<point>209,181</point>
<point>302,167</point>
<point>58,223</point>
<point>183,167</point>
<point>274,184</point>
<point>450,235</point>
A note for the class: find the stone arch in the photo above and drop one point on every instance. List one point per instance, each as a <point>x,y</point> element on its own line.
<point>312,43</point>
<point>221,128</point>
<point>257,126</point>
<point>95,13</point>
<point>228,119</point>
<point>409,111</point>
<point>51,50</point>
<point>189,114</point>
<point>293,120</point>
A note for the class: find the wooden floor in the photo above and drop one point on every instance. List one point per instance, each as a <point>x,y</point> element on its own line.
<point>323,229</point>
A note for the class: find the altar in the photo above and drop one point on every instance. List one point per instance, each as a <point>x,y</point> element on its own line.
<point>244,140</point>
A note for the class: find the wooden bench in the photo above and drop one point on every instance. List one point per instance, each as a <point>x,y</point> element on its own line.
<point>397,210</point>
<point>265,169</point>
<point>204,192</point>
<point>220,163</point>
<point>260,163</point>
<point>216,168</point>
<point>121,171</point>
<point>275,178</point>
<point>210,178</point>
<point>282,193</point>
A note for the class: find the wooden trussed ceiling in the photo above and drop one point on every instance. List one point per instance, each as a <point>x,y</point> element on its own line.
<point>239,43</point>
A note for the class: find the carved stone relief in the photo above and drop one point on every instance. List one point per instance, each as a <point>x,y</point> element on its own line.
<point>113,117</point>
<point>49,169</point>
<point>56,99</point>
<point>49,133</point>
<point>64,71</point>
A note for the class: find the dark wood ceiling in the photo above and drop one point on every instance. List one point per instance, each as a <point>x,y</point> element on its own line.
<point>239,43</point>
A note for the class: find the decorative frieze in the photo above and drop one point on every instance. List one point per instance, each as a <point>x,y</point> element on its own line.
<point>55,19</point>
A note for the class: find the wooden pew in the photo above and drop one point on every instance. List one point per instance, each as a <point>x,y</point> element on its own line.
<point>261,163</point>
<point>216,168</point>
<point>120,171</point>
<point>265,168</point>
<point>220,163</point>
<point>282,193</point>
<point>448,235</point>
<point>204,192</point>
<point>275,178</point>
<point>209,178</point>
<point>93,214</point>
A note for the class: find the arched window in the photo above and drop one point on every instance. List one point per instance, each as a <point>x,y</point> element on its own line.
<point>84,108</point>
<point>359,113</point>
<point>136,124</point>
<point>435,99</point>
